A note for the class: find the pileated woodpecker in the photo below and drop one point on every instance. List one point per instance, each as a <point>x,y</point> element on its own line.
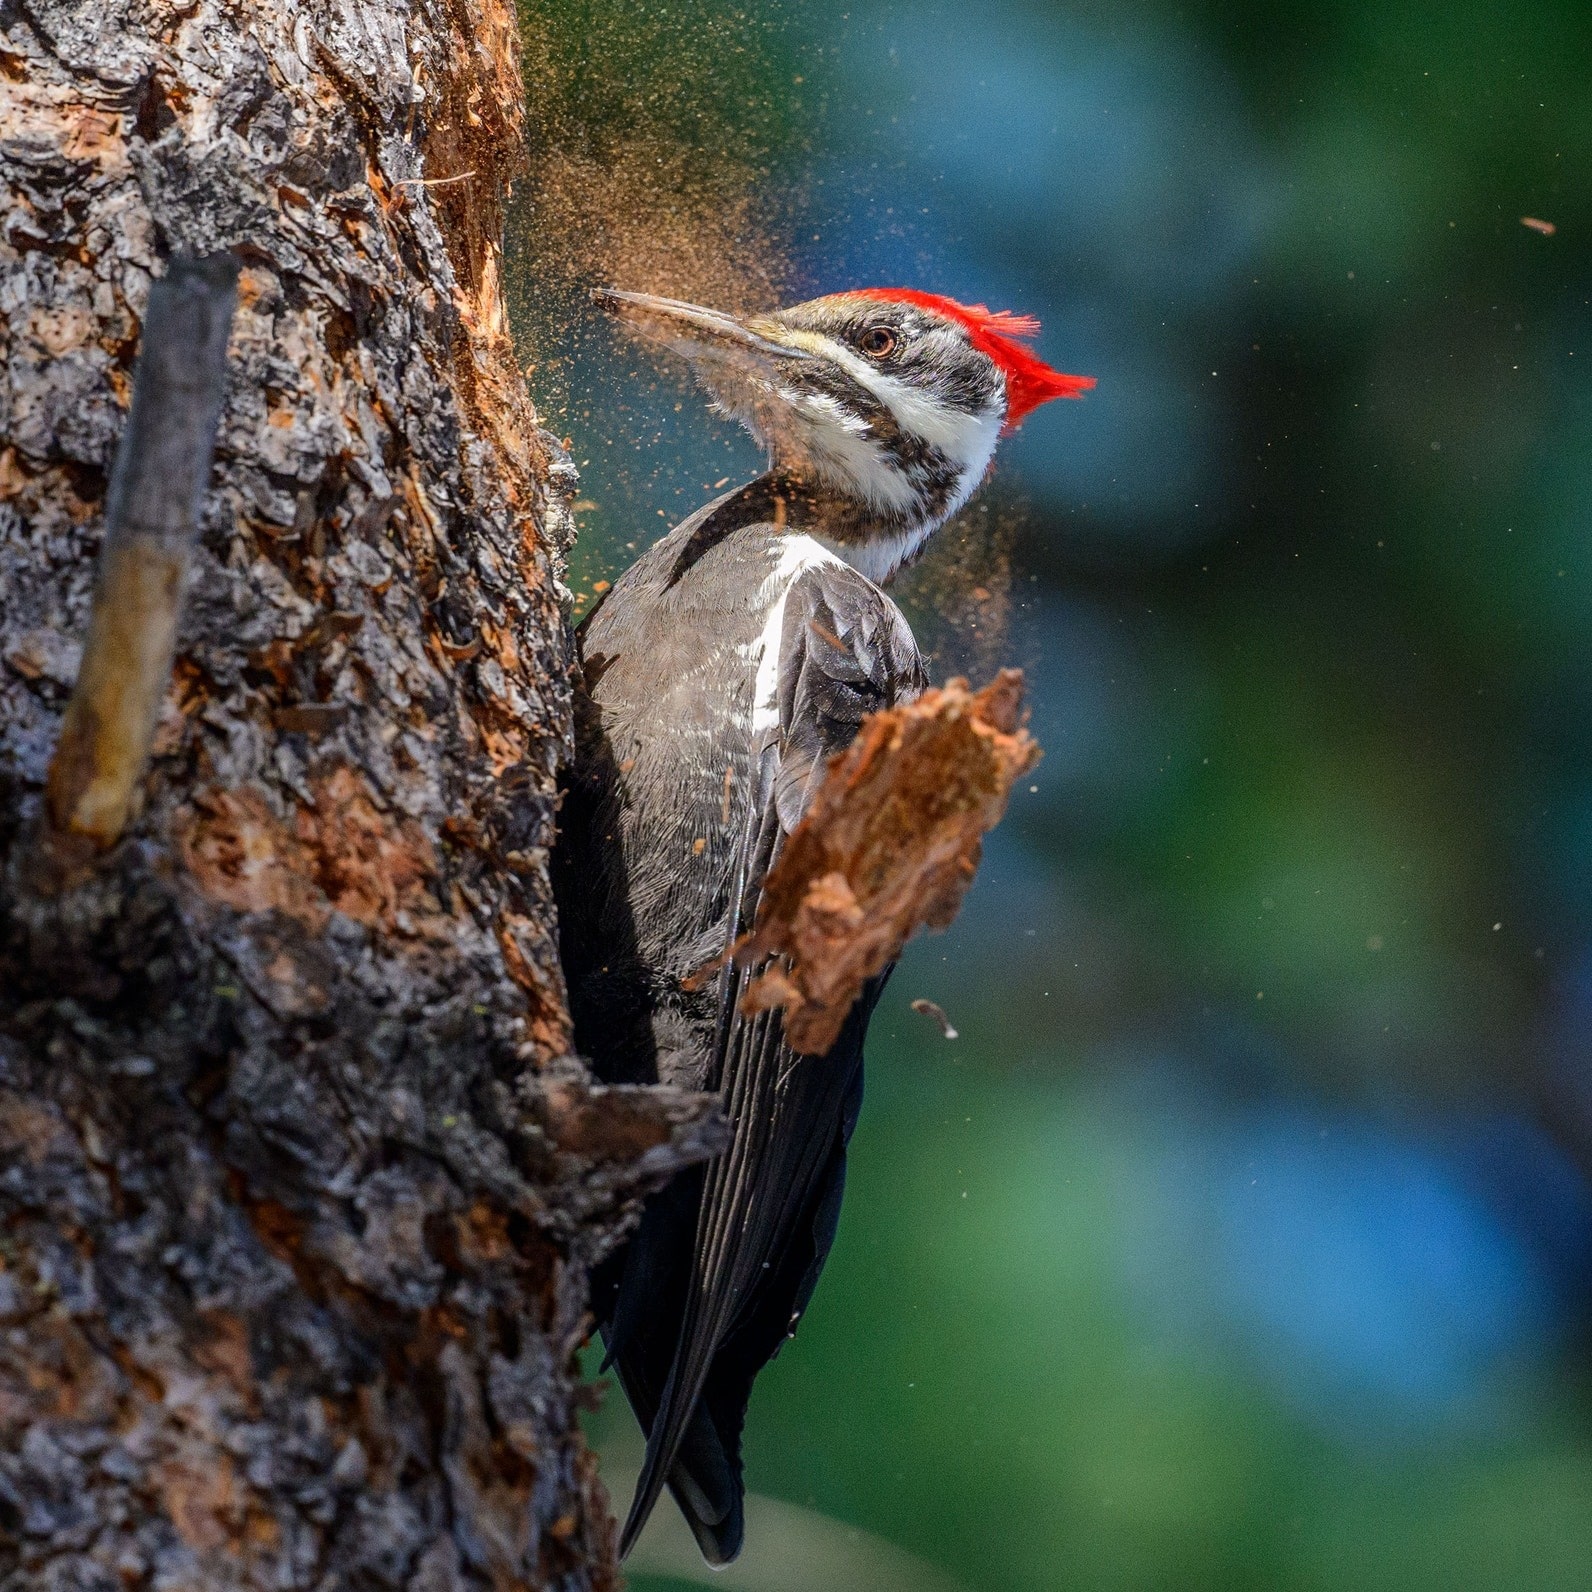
<point>719,673</point>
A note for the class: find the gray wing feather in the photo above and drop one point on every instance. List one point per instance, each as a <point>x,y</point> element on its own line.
<point>845,652</point>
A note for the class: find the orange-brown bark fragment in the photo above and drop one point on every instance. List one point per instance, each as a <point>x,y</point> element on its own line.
<point>341,853</point>
<point>239,853</point>
<point>547,1019</point>
<point>369,867</point>
<point>890,843</point>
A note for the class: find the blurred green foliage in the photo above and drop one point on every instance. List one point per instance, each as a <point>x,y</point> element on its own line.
<point>1243,1239</point>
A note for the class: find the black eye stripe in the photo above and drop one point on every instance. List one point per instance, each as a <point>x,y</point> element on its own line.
<point>929,354</point>
<point>964,384</point>
<point>968,389</point>
<point>933,472</point>
<point>835,382</point>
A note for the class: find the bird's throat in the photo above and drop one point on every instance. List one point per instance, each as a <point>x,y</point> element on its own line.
<point>875,542</point>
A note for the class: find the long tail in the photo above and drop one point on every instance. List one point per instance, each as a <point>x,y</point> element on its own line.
<point>705,1476</point>
<point>706,1483</point>
<point>718,1280</point>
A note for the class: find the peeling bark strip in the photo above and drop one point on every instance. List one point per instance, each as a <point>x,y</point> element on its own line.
<point>151,514</point>
<point>890,844</point>
<point>298,1183</point>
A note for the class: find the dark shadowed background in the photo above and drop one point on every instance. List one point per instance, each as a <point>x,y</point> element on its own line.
<point>1243,1238</point>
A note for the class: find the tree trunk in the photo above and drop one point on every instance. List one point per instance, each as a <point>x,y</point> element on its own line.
<point>298,1181</point>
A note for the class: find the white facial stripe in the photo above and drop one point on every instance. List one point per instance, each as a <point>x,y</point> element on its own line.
<point>967,440</point>
<point>823,435</point>
<point>829,439</point>
<point>815,432</point>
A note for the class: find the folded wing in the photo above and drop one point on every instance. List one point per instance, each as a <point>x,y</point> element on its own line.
<point>769,1205</point>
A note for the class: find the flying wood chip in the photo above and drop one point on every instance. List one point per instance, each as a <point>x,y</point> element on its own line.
<point>890,843</point>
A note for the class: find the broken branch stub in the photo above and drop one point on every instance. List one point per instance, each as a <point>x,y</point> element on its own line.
<point>890,844</point>
<point>151,516</point>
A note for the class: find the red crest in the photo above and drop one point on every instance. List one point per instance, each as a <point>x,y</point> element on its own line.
<point>1030,382</point>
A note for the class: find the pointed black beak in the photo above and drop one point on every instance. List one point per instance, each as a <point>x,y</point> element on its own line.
<point>749,368</point>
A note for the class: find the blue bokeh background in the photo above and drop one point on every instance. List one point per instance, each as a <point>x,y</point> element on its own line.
<point>1243,1238</point>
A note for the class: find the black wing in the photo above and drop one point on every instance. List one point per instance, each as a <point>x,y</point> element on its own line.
<point>768,1206</point>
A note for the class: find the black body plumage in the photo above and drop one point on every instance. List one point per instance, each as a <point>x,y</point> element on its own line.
<point>718,674</point>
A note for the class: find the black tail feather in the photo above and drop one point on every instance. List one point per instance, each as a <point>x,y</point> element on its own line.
<point>706,1483</point>
<point>705,1479</point>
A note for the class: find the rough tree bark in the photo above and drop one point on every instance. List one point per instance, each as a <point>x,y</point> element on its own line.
<point>298,1182</point>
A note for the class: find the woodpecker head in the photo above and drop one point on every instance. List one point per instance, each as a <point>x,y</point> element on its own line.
<point>884,405</point>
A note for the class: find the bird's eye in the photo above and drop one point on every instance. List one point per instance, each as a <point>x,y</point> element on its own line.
<point>878,342</point>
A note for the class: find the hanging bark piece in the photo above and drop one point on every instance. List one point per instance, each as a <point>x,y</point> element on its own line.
<point>890,844</point>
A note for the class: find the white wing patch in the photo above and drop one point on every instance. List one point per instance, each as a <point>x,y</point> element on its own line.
<point>797,554</point>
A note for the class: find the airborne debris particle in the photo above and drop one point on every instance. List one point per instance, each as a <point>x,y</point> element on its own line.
<point>1546,228</point>
<point>929,1009</point>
